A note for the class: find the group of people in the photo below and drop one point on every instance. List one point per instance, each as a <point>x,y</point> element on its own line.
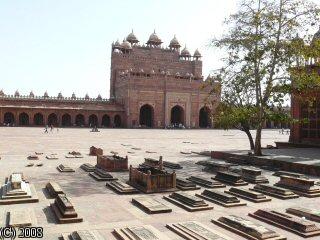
<point>51,129</point>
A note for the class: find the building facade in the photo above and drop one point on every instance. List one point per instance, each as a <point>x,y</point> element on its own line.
<point>150,86</point>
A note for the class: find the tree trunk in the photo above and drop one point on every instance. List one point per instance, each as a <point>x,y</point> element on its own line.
<point>250,138</point>
<point>257,147</point>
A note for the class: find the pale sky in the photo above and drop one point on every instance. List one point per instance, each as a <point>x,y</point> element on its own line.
<point>65,45</point>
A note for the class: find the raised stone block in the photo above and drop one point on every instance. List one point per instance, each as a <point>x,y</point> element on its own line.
<point>87,167</point>
<point>152,163</point>
<point>274,191</point>
<point>74,154</point>
<point>247,228</point>
<point>172,165</point>
<point>205,182</point>
<point>248,195</point>
<point>18,191</point>
<point>121,187</point>
<point>64,210</point>
<point>311,214</point>
<point>296,225</point>
<point>150,205</point>
<point>33,157</point>
<point>188,202</point>
<point>291,174</point>
<point>194,230</point>
<point>83,235</point>
<point>301,186</point>
<point>145,232</point>
<point>186,185</point>
<point>253,175</point>
<point>216,166</point>
<point>230,178</point>
<point>221,198</point>
<point>54,189</point>
<point>52,157</point>
<point>102,175</point>
<point>64,168</point>
<point>93,151</point>
<point>20,218</point>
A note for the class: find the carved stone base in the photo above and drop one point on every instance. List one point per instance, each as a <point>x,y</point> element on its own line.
<point>82,235</point>
<point>206,183</point>
<point>54,189</point>
<point>145,232</point>
<point>186,185</point>
<point>230,178</point>
<point>248,195</point>
<point>310,214</point>
<point>150,205</point>
<point>253,175</point>
<point>121,187</point>
<point>101,175</point>
<point>30,197</point>
<point>64,168</point>
<point>195,231</point>
<point>247,229</point>
<point>298,226</point>
<point>87,167</point>
<point>188,202</point>
<point>221,198</point>
<point>274,191</point>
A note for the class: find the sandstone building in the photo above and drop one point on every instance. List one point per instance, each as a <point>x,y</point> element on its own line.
<point>150,86</point>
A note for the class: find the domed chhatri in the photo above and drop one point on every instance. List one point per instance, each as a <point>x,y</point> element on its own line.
<point>60,95</point>
<point>87,96</point>
<point>73,96</point>
<point>117,45</point>
<point>99,97</point>
<point>31,94</point>
<point>197,54</point>
<point>17,94</point>
<point>154,40</point>
<point>1,93</point>
<point>185,53</point>
<point>174,43</point>
<point>131,38</point>
<point>45,95</point>
<point>126,45</point>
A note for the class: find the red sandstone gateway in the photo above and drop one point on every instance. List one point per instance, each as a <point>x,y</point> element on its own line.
<point>150,86</point>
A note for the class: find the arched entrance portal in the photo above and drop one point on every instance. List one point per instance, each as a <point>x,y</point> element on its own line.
<point>80,120</point>
<point>117,121</point>
<point>177,115</point>
<point>52,119</point>
<point>8,118</point>
<point>66,120</point>
<point>146,116</point>
<point>23,119</point>
<point>105,121</point>
<point>204,118</point>
<point>93,120</point>
<point>38,119</point>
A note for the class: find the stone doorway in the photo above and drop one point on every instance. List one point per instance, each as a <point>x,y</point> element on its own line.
<point>53,119</point>
<point>106,121</point>
<point>117,121</point>
<point>146,116</point>
<point>204,118</point>
<point>80,120</point>
<point>23,119</point>
<point>38,119</point>
<point>66,120</point>
<point>8,118</point>
<point>177,115</point>
<point>93,120</point>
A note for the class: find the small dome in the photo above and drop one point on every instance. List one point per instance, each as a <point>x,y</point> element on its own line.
<point>126,45</point>
<point>87,96</point>
<point>177,74</point>
<point>45,95</point>
<point>154,39</point>
<point>73,96</point>
<point>31,94</point>
<point>316,36</point>
<point>131,38</point>
<point>117,45</point>
<point>185,52</point>
<point>17,94</point>
<point>174,43</point>
<point>197,54</point>
<point>1,93</point>
<point>60,95</point>
<point>99,97</point>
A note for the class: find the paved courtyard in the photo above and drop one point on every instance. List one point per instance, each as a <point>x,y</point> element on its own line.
<point>102,209</point>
